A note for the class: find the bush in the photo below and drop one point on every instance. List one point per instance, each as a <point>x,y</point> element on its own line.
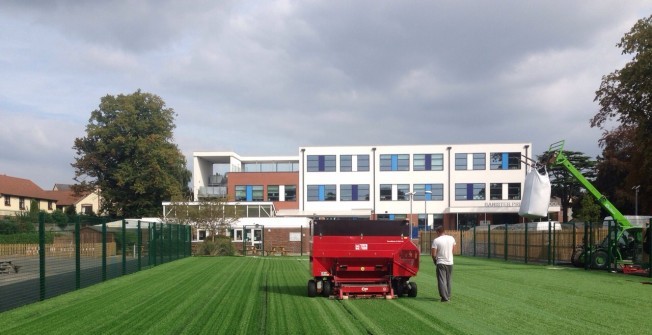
<point>221,247</point>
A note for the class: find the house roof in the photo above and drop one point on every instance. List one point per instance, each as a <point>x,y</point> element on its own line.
<point>65,198</point>
<point>22,188</point>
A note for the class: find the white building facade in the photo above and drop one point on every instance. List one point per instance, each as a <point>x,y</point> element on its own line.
<point>455,185</point>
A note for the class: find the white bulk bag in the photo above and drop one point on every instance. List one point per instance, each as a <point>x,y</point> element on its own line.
<point>536,195</point>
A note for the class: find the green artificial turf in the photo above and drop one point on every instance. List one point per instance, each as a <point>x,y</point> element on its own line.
<point>267,295</point>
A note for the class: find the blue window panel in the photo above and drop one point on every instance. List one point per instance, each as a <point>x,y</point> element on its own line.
<point>391,216</point>
<point>322,193</point>
<point>354,192</point>
<point>469,191</point>
<point>428,162</point>
<point>321,163</point>
<point>394,162</point>
<point>250,193</point>
<point>505,160</point>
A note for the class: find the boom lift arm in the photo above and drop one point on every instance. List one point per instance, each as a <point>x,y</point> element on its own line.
<point>557,157</point>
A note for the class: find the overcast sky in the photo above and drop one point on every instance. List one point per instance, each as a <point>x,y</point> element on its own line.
<point>265,77</point>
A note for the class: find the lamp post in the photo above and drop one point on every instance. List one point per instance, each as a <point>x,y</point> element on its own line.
<point>425,208</point>
<point>635,188</point>
<point>410,194</point>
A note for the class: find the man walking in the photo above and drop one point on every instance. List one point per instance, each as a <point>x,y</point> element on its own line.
<point>442,255</point>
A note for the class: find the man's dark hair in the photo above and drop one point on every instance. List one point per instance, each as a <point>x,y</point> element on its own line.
<point>440,230</point>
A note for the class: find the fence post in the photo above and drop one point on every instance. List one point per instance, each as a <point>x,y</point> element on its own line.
<point>549,244</point>
<point>160,244</point>
<point>610,249</point>
<point>648,234</point>
<point>488,241</point>
<point>527,246</point>
<point>41,247</point>
<point>124,247</point>
<point>587,249</point>
<point>474,242</point>
<point>301,247</point>
<point>77,256</point>
<point>139,242</point>
<point>505,249</point>
<point>461,242</point>
<point>103,250</point>
<point>169,242</point>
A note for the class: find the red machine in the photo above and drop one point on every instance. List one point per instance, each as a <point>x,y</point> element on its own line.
<point>362,258</point>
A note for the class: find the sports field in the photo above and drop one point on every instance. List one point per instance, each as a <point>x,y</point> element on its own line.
<point>267,295</point>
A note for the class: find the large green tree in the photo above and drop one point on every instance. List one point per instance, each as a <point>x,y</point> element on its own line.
<point>564,185</point>
<point>128,155</point>
<point>625,98</point>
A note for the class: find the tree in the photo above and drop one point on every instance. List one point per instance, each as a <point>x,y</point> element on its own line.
<point>210,214</point>
<point>563,183</point>
<point>588,209</point>
<point>128,155</point>
<point>625,96</point>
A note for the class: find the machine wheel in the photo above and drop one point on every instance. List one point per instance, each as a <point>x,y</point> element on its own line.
<point>578,258</point>
<point>600,258</point>
<point>412,293</point>
<point>312,288</point>
<point>398,287</point>
<point>327,288</point>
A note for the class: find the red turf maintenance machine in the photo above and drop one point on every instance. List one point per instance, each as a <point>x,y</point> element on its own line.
<point>362,258</point>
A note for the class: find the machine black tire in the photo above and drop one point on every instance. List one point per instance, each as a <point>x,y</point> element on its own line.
<point>312,288</point>
<point>327,288</point>
<point>398,287</point>
<point>600,259</point>
<point>578,258</point>
<point>412,293</point>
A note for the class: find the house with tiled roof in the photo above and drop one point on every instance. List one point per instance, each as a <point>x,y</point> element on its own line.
<point>86,203</point>
<point>16,195</point>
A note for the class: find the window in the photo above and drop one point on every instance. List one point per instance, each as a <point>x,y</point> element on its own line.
<point>460,162</point>
<point>321,163</point>
<point>240,193</point>
<point>495,191</point>
<point>272,193</point>
<point>346,163</point>
<point>428,192</point>
<point>237,235</point>
<point>385,192</point>
<point>49,205</point>
<point>321,193</point>
<point>401,191</point>
<point>363,162</point>
<point>257,193</point>
<point>479,161</point>
<point>290,192</point>
<point>428,162</point>
<point>470,191</point>
<point>354,192</point>
<point>7,200</point>
<point>87,209</point>
<point>249,193</point>
<point>514,191</point>
<point>505,160</point>
<point>21,203</point>
<point>395,162</point>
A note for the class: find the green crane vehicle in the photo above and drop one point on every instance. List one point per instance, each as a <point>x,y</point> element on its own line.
<point>624,241</point>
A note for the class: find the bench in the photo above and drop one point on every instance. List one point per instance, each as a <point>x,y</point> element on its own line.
<point>279,249</point>
<point>252,250</point>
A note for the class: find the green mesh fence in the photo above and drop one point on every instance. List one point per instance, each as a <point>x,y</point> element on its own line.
<point>50,261</point>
